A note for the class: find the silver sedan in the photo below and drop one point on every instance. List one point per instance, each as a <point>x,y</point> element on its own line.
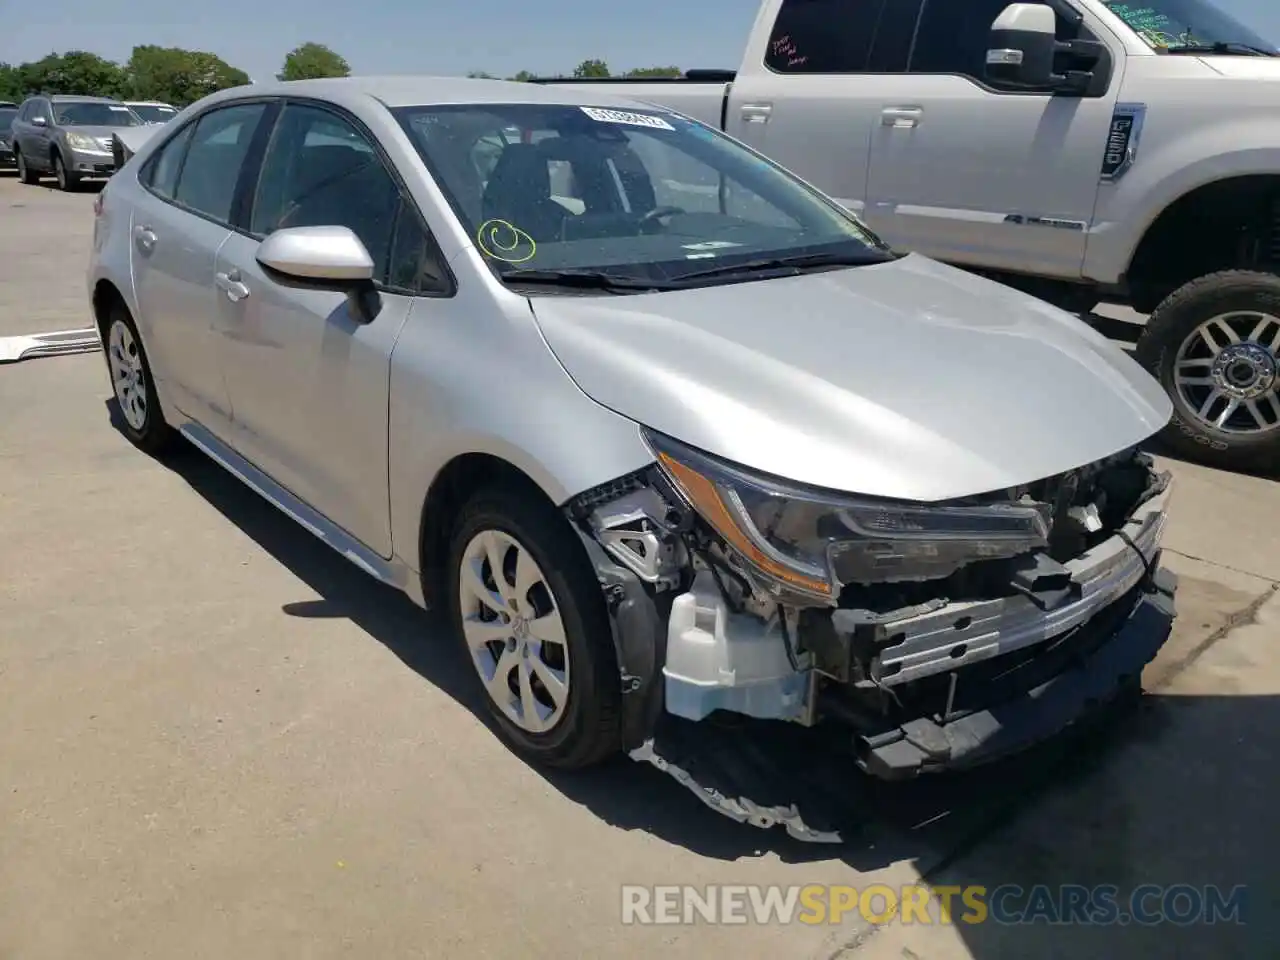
<point>669,433</point>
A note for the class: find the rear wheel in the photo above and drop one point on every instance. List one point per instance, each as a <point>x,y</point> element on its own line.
<point>134,388</point>
<point>531,614</point>
<point>1214,344</point>
<point>25,173</point>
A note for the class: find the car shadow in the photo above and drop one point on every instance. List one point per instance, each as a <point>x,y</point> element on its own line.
<point>1185,836</point>
<point>917,821</point>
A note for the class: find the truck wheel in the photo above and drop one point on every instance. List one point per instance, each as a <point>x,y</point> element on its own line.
<point>1214,345</point>
<point>528,607</point>
<point>25,173</point>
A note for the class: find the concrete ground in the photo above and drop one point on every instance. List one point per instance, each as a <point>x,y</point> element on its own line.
<point>217,739</point>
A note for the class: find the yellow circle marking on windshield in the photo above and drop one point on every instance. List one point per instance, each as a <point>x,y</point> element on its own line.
<point>504,241</point>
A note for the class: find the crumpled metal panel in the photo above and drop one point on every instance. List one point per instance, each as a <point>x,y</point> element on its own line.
<point>28,346</point>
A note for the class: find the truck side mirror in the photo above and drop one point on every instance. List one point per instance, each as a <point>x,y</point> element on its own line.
<point>1022,46</point>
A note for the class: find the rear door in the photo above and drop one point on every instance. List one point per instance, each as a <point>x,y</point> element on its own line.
<point>808,95</point>
<point>178,225</point>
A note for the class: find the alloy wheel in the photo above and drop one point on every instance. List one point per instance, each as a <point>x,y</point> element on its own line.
<point>128,378</point>
<point>1228,372</point>
<point>514,631</point>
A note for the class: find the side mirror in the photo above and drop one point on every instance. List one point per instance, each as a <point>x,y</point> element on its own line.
<point>40,121</point>
<point>320,256</point>
<point>1023,42</point>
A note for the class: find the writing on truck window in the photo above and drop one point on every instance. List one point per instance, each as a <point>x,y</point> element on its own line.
<point>1151,25</point>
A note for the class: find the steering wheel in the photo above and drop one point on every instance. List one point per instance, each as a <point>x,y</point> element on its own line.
<point>656,214</point>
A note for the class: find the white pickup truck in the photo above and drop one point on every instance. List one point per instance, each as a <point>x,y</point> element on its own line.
<point>1086,151</point>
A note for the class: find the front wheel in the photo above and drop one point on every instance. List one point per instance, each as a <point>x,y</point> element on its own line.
<point>67,180</point>
<point>530,612</point>
<point>1214,344</point>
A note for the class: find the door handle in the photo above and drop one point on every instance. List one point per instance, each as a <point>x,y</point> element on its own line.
<point>231,285</point>
<point>145,239</point>
<point>756,112</point>
<point>901,116</point>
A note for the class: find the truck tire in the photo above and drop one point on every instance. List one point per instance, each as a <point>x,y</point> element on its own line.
<point>1214,345</point>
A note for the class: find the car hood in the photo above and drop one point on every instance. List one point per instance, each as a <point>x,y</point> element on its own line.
<point>1245,68</point>
<point>907,379</point>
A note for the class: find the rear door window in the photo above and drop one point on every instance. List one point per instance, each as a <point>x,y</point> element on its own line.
<point>217,151</point>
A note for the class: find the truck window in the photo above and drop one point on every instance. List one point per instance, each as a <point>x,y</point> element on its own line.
<point>823,36</point>
<point>952,36</point>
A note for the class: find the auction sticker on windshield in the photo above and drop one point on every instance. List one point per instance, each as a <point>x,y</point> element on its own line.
<point>627,117</point>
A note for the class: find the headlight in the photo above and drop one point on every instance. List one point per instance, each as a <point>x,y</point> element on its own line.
<point>78,141</point>
<point>812,541</point>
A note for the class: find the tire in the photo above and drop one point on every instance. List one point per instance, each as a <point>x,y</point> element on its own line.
<point>1173,349</point>
<point>586,728</point>
<point>67,180</point>
<point>25,173</point>
<point>141,419</point>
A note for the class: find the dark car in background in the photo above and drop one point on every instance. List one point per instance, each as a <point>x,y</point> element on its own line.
<point>8,110</point>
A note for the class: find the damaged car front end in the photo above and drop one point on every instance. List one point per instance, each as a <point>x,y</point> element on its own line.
<point>908,637</point>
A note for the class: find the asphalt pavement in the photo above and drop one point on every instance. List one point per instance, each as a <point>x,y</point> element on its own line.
<point>218,739</point>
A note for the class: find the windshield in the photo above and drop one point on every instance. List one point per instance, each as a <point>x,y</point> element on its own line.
<point>6,117</point>
<point>93,114</point>
<point>1172,24</point>
<point>642,195</point>
<point>153,114</point>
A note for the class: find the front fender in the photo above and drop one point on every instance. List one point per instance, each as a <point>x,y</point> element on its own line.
<point>471,374</point>
<point>1165,172</point>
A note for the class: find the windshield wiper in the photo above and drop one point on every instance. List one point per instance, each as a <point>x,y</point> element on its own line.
<point>786,265</point>
<point>585,280</point>
<point>1228,47</point>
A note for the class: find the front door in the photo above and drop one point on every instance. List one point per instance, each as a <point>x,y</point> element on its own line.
<point>179,224</point>
<point>309,379</point>
<point>971,174</point>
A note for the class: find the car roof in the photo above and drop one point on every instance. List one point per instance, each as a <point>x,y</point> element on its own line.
<point>76,98</point>
<point>146,103</point>
<point>404,91</point>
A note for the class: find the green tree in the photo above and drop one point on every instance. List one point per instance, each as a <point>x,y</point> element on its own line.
<point>481,75</point>
<point>73,72</point>
<point>312,60</point>
<point>10,85</point>
<point>591,68</point>
<point>524,76</point>
<point>178,76</point>
<point>646,72</point>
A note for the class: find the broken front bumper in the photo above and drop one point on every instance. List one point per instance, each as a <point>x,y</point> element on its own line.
<point>1087,680</point>
<point>779,774</point>
<point>720,660</point>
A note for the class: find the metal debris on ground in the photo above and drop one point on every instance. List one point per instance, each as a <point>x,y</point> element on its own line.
<point>28,346</point>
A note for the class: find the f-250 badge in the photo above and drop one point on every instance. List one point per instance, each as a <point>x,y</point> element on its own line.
<point>1122,140</point>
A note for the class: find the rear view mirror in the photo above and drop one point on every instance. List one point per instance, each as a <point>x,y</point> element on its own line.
<point>1023,42</point>
<point>320,255</point>
<point>40,121</point>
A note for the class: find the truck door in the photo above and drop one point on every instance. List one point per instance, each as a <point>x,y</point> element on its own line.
<point>807,96</point>
<point>968,173</point>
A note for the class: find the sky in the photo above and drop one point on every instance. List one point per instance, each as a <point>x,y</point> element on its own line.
<point>422,36</point>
